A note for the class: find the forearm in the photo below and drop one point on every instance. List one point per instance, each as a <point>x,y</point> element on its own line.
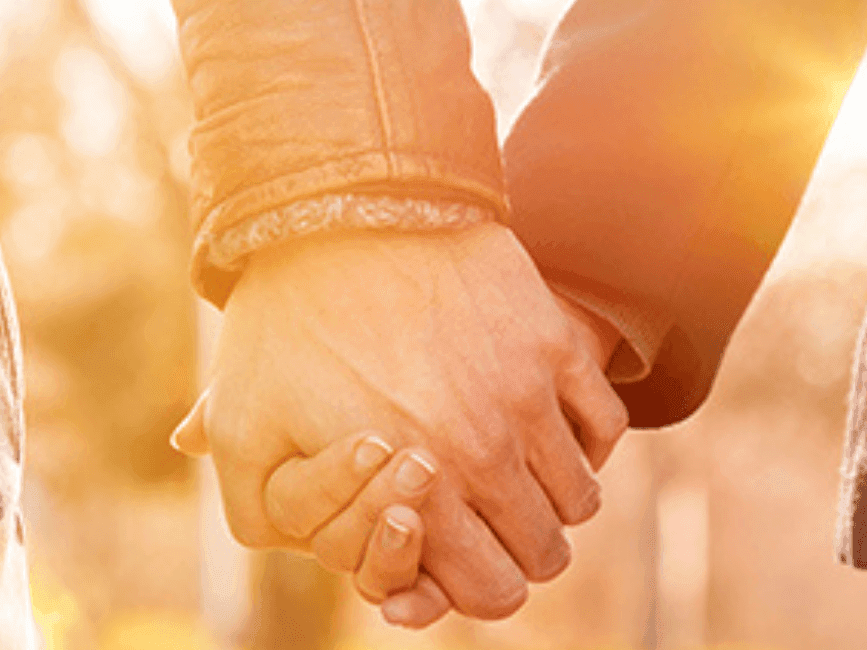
<point>656,170</point>
<point>310,114</point>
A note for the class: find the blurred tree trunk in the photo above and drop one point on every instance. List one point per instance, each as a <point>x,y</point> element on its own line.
<point>678,532</point>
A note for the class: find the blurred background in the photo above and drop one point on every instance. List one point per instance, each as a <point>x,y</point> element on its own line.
<point>715,534</point>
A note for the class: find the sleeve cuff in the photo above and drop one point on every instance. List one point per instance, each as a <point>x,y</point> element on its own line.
<point>642,326</point>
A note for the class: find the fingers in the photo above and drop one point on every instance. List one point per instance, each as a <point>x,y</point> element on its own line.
<point>393,554</point>
<point>418,607</point>
<point>561,468</point>
<point>318,488</point>
<point>390,572</point>
<point>302,494</point>
<point>467,561</point>
<point>593,408</point>
<point>519,512</point>
<point>189,436</point>
<point>407,480</point>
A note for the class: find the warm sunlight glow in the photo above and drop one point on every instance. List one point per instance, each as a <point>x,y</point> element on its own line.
<point>95,102</point>
<point>142,31</point>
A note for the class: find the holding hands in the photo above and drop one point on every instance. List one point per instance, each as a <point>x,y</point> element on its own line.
<point>451,348</point>
<point>355,504</point>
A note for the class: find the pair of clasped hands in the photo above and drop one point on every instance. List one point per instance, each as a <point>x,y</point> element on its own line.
<point>418,410</point>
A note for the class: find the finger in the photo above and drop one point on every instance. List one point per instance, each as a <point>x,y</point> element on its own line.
<point>528,525</point>
<point>391,560</point>
<point>406,480</point>
<point>302,494</point>
<point>466,560</point>
<point>189,436</point>
<point>559,465</point>
<point>244,505</point>
<point>240,443</point>
<point>418,607</point>
<point>390,572</point>
<point>594,409</point>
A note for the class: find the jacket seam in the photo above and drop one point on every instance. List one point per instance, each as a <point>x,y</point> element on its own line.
<point>410,81</point>
<point>376,78</point>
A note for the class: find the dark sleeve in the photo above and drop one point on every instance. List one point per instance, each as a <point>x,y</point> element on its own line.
<point>656,169</point>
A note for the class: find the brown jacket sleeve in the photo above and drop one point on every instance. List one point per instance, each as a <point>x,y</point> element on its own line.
<point>661,160</point>
<point>296,100</point>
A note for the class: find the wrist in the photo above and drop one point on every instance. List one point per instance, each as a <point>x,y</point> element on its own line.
<point>221,257</point>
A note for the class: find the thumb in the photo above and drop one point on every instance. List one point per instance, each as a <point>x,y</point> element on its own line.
<point>189,436</point>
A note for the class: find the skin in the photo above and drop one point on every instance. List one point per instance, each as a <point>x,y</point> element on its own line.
<point>449,343</point>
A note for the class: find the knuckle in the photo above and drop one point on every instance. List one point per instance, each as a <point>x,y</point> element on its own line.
<point>580,369</point>
<point>555,340</point>
<point>614,419</point>
<point>486,455</point>
<point>531,400</point>
<point>620,417</point>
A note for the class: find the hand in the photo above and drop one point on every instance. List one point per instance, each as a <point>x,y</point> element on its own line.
<point>451,341</point>
<point>357,502</point>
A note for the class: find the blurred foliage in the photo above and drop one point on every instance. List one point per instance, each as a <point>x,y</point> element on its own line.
<point>93,218</point>
<point>55,608</point>
<point>93,221</point>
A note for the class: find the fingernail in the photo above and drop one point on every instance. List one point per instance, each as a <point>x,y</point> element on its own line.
<point>372,452</point>
<point>395,535</point>
<point>414,473</point>
<point>173,440</point>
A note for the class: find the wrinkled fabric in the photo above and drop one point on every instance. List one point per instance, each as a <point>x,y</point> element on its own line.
<point>298,99</point>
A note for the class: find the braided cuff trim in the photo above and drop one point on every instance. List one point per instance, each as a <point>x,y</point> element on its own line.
<point>227,249</point>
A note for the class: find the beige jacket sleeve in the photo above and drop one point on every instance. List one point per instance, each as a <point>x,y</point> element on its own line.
<point>316,116</point>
